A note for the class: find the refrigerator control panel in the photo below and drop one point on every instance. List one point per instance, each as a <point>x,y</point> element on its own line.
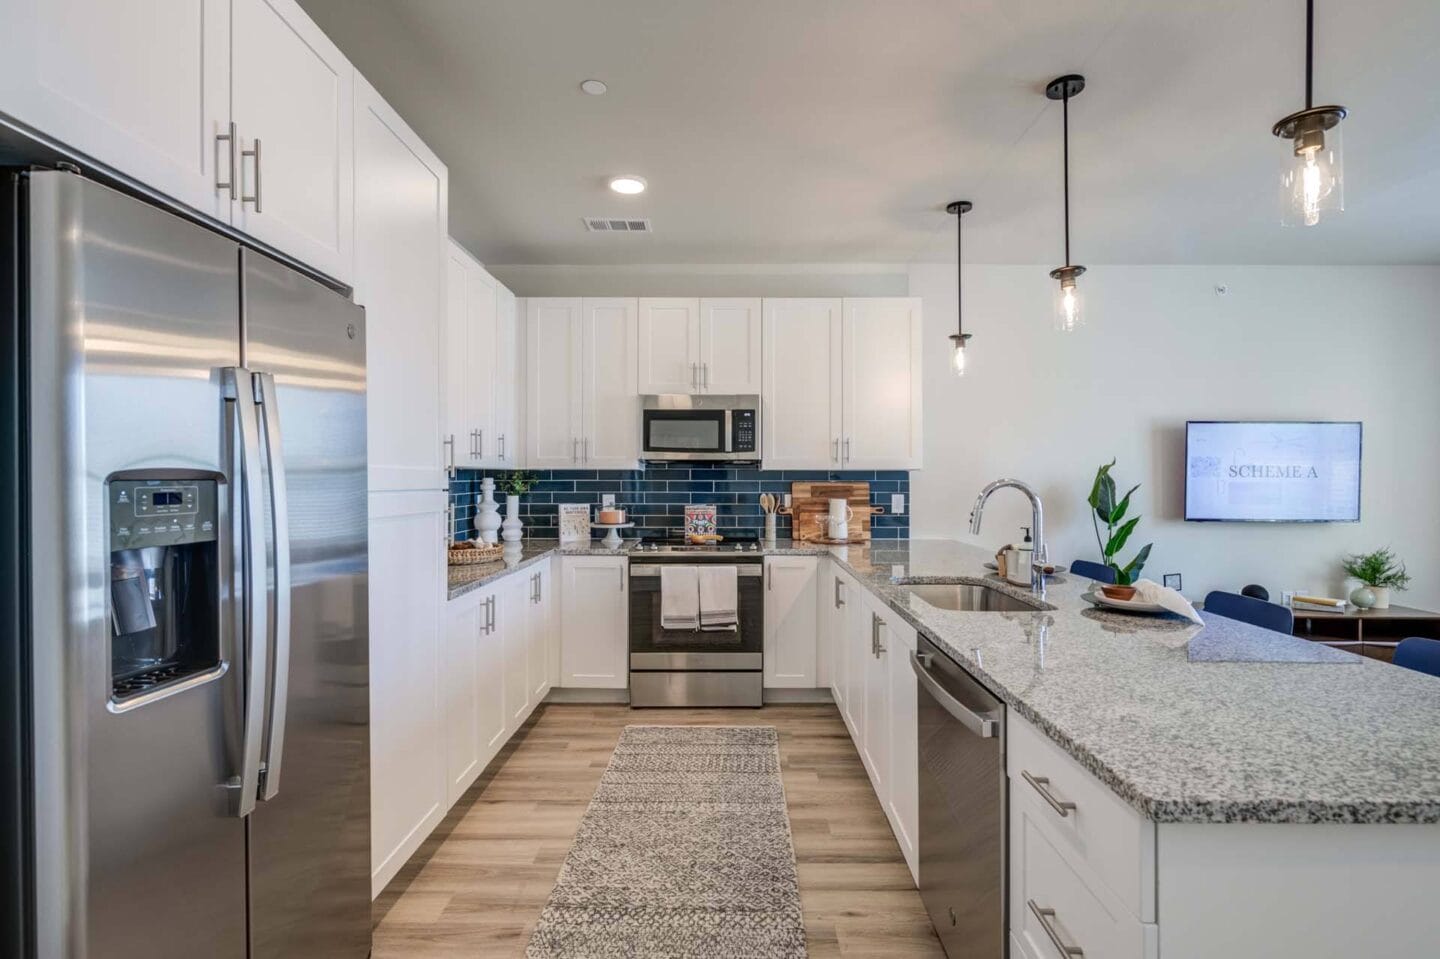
<point>162,513</point>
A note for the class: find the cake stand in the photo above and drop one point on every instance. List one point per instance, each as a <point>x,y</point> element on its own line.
<point>612,539</point>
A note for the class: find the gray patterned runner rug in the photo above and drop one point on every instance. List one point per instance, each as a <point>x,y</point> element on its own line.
<point>684,851</point>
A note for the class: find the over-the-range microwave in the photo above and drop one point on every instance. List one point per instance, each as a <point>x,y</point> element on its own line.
<point>710,428</point>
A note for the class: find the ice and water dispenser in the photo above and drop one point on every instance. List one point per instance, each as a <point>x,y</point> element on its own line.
<point>164,582</point>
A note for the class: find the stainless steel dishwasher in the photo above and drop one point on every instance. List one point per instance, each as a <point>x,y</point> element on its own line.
<point>962,806</point>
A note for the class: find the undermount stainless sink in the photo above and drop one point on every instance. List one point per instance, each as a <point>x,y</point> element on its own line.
<point>969,597</point>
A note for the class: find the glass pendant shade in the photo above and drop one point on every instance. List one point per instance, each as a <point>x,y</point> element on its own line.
<point>1069,316</point>
<point>957,356</point>
<point>1312,183</point>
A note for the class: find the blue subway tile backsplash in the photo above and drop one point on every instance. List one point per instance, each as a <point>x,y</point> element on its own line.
<point>656,498</point>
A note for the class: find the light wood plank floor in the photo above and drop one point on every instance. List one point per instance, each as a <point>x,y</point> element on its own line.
<point>478,884</point>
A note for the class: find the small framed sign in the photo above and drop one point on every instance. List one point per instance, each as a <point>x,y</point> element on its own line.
<point>574,523</point>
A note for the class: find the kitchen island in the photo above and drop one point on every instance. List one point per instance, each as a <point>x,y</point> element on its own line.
<point>1185,791</point>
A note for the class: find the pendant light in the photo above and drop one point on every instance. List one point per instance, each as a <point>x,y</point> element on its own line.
<point>1068,315</point>
<point>1312,181</point>
<point>959,338</point>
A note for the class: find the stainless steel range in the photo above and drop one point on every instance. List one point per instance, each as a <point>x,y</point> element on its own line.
<point>693,667</point>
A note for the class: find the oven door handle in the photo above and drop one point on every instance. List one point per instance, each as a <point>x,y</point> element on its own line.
<point>652,571</point>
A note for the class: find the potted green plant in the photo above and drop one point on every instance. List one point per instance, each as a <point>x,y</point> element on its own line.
<point>1378,572</point>
<point>1106,508</point>
<point>516,484</point>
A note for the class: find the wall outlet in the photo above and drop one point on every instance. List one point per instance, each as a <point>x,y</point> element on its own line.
<point>607,499</point>
<point>1172,581</point>
<point>897,504</point>
<point>1287,597</point>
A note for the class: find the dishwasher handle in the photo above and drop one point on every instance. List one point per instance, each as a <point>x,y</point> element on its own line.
<point>981,725</point>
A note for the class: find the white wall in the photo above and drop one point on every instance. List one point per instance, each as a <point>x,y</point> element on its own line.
<point>1161,346</point>
<point>797,279</point>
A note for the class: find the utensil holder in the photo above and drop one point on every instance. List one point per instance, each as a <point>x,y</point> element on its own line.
<point>769,527</point>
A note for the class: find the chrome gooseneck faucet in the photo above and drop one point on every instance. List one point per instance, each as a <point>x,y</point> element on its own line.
<point>1037,525</point>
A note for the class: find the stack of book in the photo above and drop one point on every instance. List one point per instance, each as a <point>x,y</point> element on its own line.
<point>1318,604</point>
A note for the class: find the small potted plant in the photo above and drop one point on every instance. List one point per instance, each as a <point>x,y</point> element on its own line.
<point>1378,572</point>
<point>515,484</point>
<point>1105,508</point>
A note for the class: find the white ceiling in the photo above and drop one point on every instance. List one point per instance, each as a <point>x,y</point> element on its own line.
<point>834,131</point>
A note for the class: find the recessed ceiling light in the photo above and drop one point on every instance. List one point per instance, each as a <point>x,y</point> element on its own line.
<point>594,87</point>
<point>628,185</point>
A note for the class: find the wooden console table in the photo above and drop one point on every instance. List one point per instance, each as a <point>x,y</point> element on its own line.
<point>1371,632</point>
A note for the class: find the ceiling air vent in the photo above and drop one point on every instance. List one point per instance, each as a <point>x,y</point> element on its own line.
<point>603,224</point>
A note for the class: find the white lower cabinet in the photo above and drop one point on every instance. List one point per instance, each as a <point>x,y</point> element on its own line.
<point>791,608</point>
<point>513,625</point>
<point>875,724</point>
<point>595,598</point>
<point>461,676</point>
<point>408,761</point>
<point>902,800</point>
<point>539,627</point>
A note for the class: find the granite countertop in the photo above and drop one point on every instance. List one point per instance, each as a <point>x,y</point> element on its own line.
<point>1221,723</point>
<point>466,579</point>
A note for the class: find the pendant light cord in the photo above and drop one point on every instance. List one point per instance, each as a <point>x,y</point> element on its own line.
<point>1065,112</point>
<point>1309,53</point>
<point>959,285</point>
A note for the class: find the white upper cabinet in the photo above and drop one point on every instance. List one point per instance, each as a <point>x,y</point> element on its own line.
<point>800,424</point>
<point>881,384</point>
<point>700,345</point>
<point>475,353</point>
<point>401,191</point>
<point>504,450</point>
<point>142,86</point>
<point>292,102</point>
<point>791,608</point>
<point>553,346</point>
<point>730,346</point>
<point>611,409</point>
<point>669,345</point>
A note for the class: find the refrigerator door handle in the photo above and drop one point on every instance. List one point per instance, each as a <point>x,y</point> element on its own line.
<point>280,533</point>
<point>239,388</point>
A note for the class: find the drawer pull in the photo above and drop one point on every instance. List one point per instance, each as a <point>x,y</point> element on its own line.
<point>1046,918</point>
<point>1042,786</point>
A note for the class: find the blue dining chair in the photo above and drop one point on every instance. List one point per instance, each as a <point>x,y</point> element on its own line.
<point>1246,609</point>
<point>1419,654</point>
<point>1096,571</point>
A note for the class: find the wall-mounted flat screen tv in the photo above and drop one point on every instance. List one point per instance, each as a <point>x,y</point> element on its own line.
<point>1272,472</point>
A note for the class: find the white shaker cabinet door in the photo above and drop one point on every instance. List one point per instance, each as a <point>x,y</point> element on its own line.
<point>455,350</point>
<point>595,598</point>
<point>731,346</point>
<point>511,599</point>
<point>142,86</point>
<point>610,439</point>
<point>400,245</point>
<point>553,346</point>
<point>460,677</point>
<point>669,345</point>
<point>875,742</point>
<point>490,672</point>
<point>539,623</point>
<point>407,712</point>
<point>790,621</point>
<point>882,422</point>
<point>903,802</point>
<point>292,102</point>
<point>504,449</point>
<point>484,364</point>
<point>800,425</point>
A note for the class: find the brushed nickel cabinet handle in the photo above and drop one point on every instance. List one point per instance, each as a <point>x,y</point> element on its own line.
<point>847,450</point>
<point>839,600</point>
<point>480,444</point>
<point>502,446</point>
<point>575,450</point>
<point>255,198</point>
<point>705,376</point>
<point>1042,786</point>
<point>835,449</point>
<point>1046,918</point>
<point>585,450</point>
<point>229,140</point>
<point>450,442</point>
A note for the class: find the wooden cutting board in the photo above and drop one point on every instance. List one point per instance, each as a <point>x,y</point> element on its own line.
<point>810,505</point>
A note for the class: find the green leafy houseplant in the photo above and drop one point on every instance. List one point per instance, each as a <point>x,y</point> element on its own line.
<point>518,482</point>
<point>1105,508</point>
<point>1378,569</point>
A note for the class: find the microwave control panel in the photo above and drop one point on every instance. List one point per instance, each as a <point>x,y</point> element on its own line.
<point>742,428</point>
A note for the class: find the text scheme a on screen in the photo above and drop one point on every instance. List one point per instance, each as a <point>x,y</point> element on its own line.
<point>1272,472</point>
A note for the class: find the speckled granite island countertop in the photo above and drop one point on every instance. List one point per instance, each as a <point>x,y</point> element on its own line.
<point>1171,716</point>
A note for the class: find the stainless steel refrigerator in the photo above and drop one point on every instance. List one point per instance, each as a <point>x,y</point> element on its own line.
<point>185,662</point>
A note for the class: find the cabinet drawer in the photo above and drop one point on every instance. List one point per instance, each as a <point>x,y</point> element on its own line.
<point>1114,841</point>
<point>1054,909</point>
